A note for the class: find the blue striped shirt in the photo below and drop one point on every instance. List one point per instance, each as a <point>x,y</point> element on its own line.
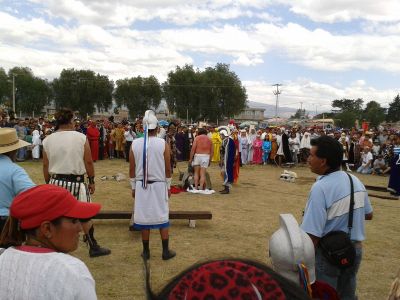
<point>328,204</point>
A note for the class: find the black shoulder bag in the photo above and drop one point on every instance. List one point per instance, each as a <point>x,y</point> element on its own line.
<point>337,246</point>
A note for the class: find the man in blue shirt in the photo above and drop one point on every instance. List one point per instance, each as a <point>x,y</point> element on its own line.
<point>327,210</point>
<point>13,178</point>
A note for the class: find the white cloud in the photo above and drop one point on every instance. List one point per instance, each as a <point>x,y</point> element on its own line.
<point>314,95</point>
<point>346,10</point>
<point>322,50</point>
<point>126,12</point>
<point>389,28</point>
<point>101,37</point>
<point>244,60</point>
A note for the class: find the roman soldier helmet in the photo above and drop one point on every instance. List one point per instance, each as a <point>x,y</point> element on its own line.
<point>291,249</point>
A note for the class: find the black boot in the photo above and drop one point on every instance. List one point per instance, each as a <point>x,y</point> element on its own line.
<point>94,248</point>
<point>166,252</point>
<point>225,190</point>
<point>146,250</point>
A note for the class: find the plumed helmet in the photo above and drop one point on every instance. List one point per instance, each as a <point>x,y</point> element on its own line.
<point>290,246</point>
<point>226,129</point>
<point>223,132</point>
<point>150,119</point>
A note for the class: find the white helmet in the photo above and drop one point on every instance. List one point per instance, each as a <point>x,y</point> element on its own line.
<point>290,246</point>
<point>150,119</point>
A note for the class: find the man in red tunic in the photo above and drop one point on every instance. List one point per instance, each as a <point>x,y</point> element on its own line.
<point>93,135</point>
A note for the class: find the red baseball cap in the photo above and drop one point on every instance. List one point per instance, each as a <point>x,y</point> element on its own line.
<point>48,202</point>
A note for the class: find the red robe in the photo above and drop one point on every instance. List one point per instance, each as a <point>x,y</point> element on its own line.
<point>93,135</point>
<point>236,164</point>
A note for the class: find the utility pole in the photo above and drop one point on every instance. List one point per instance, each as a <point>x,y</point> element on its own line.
<point>301,110</point>
<point>277,93</point>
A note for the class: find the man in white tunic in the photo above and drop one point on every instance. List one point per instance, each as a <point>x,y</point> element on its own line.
<point>150,173</point>
<point>66,160</point>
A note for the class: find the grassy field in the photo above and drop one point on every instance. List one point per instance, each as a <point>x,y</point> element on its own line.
<point>241,226</point>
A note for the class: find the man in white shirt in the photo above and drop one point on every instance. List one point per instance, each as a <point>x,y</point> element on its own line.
<point>379,166</point>
<point>366,162</point>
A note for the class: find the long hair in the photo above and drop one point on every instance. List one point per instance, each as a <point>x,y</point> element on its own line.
<point>12,235</point>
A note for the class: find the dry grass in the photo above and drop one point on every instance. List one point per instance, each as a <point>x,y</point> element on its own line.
<point>241,226</point>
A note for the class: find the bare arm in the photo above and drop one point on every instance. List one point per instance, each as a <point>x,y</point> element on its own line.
<point>167,160</point>
<point>89,166</point>
<point>211,151</point>
<point>46,174</point>
<point>132,168</point>
<point>193,151</point>
<point>368,163</point>
<point>132,164</point>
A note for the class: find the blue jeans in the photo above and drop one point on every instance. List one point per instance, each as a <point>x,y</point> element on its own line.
<point>364,170</point>
<point>21,153</point>
<point>265,156</point>
<point>344,281</point>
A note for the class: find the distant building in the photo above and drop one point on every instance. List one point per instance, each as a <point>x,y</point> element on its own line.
<point>162,111</point>
<point>250,114</point>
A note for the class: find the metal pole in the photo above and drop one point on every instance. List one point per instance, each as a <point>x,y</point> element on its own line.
<point>13,93</point>
<point>277,92</point>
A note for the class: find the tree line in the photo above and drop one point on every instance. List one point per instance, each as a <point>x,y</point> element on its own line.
<point>212,94</point>
<point>349,110</point>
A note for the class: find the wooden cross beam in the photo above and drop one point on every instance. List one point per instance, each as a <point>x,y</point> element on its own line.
<point>192,216</point>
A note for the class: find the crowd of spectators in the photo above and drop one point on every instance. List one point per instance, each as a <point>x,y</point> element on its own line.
<point>367,152</point>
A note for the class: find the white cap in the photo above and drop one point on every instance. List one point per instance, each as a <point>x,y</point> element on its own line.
<point>290,246</point>
<point>150,119</point>
<point>263,135</point>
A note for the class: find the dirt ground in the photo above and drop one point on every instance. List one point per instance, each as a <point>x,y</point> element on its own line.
<point>241,226</point>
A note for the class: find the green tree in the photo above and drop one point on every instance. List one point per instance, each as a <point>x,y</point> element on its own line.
<point>393,114</point>
<point>351,110</point>
<point>349,104</point>
<point>31,93</point>
<point>138,94</point>
<point>182,91</point>
<point>83,91</point>
<point>213,94</point>
<point>374,113</point>
<point>346,119</point>
<point>5,88</point>
<point>300,113</point>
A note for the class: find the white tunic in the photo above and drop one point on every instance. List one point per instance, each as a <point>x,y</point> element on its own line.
<point>151,204</point>
<point>33,276</point>
<point>65,150</point>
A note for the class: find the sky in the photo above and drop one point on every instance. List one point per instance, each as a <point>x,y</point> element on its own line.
<point>318,50</point>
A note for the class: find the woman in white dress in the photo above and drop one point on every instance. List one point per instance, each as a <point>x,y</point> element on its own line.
<point>36,142</point>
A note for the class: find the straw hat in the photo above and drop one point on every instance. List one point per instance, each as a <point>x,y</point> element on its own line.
<point>9,140</point>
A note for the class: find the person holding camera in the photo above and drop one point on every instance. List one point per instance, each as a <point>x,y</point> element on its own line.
<point>337,207</point>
